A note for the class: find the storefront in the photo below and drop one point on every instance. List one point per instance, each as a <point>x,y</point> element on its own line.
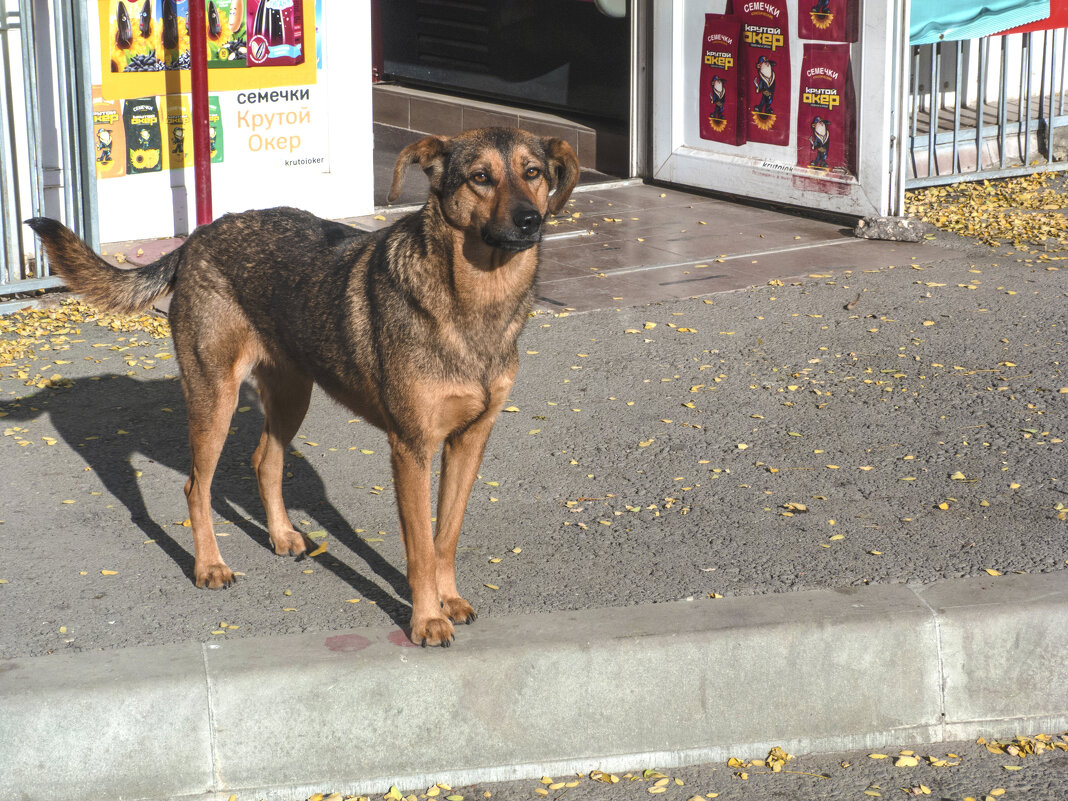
<point>799,102</point>
<point>293,125</point>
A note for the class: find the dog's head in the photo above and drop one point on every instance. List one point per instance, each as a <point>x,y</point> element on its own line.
<point>501,183</point>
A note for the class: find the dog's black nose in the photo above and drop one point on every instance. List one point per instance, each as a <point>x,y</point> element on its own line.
<point>527,220</point>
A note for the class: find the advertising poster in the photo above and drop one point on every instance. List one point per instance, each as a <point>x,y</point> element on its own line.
<point>288,125</point>
<point>812,131</point>
<point>145,45</point>
<point>262,60</point>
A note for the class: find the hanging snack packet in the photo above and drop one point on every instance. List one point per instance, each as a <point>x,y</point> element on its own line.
<point>215,129</point>
<point>275,30</point>
<point>766,70</point>
<point>829,20</point>
<point>226,32</point>
<point>109,137</point>
<point>179,132</point>
<point>143,140</point>
<point>826,110</point>
<point>720,105</point>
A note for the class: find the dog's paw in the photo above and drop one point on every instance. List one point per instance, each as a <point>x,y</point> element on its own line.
<point>432,631</point>
<point>288,542</point>
<point>458,610</point>
<point>213,576</point>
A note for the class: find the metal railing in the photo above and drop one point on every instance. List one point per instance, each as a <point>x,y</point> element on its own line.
<point>987,108</point>
<point>46,164</point>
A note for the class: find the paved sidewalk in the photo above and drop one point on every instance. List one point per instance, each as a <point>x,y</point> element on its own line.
<point>848,451</point>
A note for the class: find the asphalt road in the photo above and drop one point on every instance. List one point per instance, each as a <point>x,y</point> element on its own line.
<point>947,771</point>
<point>761,441</point>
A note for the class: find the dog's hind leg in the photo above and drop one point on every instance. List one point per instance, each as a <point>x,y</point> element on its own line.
<point>285,395</point>
<point>215,351</point>
<point>210,400</point>
<point>460,460</point>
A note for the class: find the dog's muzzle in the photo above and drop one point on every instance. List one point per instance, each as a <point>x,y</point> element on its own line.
<point>522,234</point>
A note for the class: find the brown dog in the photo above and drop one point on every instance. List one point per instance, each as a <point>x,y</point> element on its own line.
<point>413,327</point>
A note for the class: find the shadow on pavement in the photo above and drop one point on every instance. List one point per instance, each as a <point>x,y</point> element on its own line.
<point>109,419</point>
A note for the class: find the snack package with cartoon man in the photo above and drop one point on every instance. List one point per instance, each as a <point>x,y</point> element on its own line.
<point>829,20</point>
<point>766,70</point>
<point>826,118</point>
<point>721,105</point>
<point>144,141</point>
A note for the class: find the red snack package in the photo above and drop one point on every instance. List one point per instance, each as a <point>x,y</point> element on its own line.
<point>275,31</point>
<point>829,20</point>
<point>826,110</point>
<point>721,106</point>
<point>766,70</point>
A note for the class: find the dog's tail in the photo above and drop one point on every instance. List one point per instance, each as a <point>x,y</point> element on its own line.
<point>105,286</point>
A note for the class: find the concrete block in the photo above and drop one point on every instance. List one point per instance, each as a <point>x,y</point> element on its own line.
<point>666,684</point>
<point>684,681</point>
<point>100,726</point>
<point>1004,650</point>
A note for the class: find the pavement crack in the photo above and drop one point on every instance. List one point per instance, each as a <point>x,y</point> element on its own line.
<point>216,768</point>
<point>941,665</point>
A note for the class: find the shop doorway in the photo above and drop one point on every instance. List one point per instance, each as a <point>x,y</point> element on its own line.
<point>558,68</point>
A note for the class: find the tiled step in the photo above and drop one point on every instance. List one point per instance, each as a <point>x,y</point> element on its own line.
<point>429,112</point>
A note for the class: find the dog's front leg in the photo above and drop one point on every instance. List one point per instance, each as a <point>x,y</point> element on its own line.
<point>460,460</point>
<point>411,476</point>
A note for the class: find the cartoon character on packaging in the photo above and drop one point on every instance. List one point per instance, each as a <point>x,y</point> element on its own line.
<point>718,96</point>
<point>103,144</point>
<point>765,84</point>
<point>178,135</point>
<point>820,140</point>
<point>822,7</point>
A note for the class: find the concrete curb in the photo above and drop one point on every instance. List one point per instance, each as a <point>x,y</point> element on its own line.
<point>613,689</point>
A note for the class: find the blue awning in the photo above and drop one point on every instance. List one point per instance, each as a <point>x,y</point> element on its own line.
<point>949,20</point>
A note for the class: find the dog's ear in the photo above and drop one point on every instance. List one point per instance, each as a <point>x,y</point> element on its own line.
<point>429,153</point>
<point>563,172</point>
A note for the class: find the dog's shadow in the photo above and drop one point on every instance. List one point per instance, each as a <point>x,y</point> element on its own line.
<point>89,413</point>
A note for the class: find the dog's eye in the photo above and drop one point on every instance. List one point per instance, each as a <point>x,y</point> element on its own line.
<point>533,172</point>
<point>480,177</point>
